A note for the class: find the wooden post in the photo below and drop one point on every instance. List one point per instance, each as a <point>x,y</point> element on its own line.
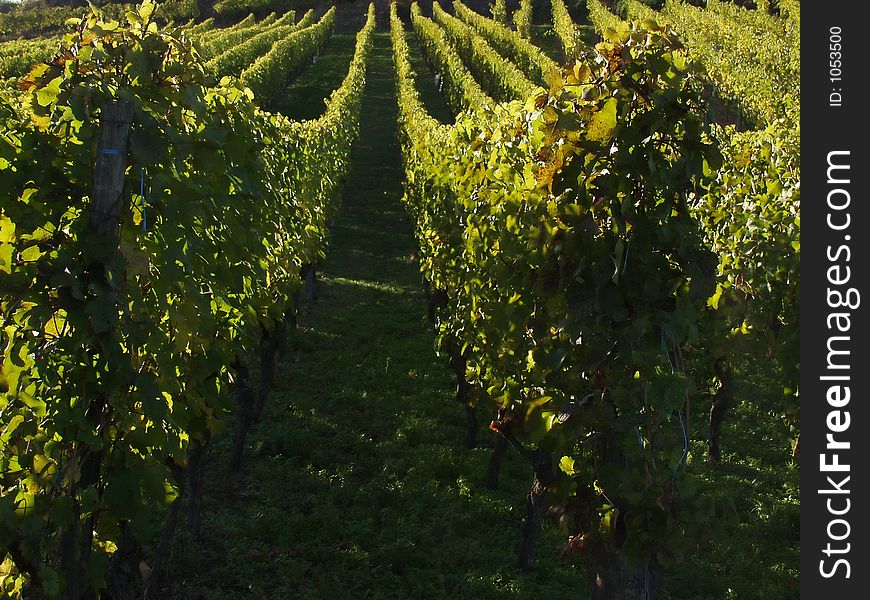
<point>495,460</point>
<point>537,503</point>
<point>244,414</point>
<point>105,215</point>
<point>196,458</point>
<point>111,164</point>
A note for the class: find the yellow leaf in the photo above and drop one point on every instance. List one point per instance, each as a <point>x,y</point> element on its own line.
<point>24,504</point>
<point>43,466</point>
<point>6,251</point>
<point>602,123</point>
<point>530,361</point>
<point>31,254</point>
<point>55,325</point>
<point>7,230</point>
<point>550,115</point>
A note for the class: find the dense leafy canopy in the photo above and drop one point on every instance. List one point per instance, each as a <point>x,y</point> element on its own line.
<point>117,356</point>
<point>560,229</point>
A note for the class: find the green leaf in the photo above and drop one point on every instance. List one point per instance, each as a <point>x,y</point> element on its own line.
<point>10,428</point>
<point>90,500</point>
<point>49,581</point>
<point>48,94</point>
<point>102,313</point>
<point>62,511</point>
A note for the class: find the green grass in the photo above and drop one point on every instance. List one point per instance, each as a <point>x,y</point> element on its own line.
<point>305,98</point>
<point>756,554</point>
<point>356,483</point>
<point>546,39</point>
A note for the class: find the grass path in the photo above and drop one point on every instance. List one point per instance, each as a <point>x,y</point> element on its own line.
<point>424,81</point>
<point>356,484</point>
<point>305,98</point>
